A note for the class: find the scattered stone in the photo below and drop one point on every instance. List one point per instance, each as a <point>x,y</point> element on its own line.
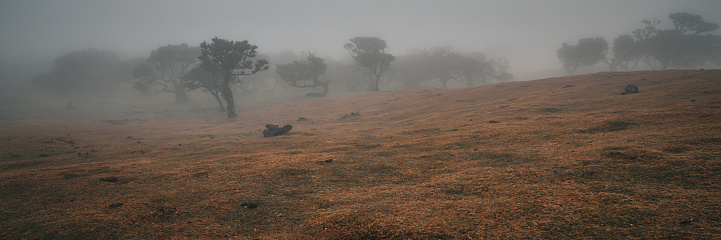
<point>116,205</point>
<point>109,179</point>
<point>352,114</point>
<point>275,130</point>
<point>43,155</point>
<point>131,137</point>
<point>631,88</point>
<point>302,119</point>
<point>329,160</point>
<point>615,154</point>
<point>686,222</point>
<point>142,151</point>
<point>249,205</point>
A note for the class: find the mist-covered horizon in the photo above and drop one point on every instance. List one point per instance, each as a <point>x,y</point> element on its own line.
<point>526,33</point>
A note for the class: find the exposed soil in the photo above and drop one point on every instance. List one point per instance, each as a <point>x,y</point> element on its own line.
<point>559,158</point>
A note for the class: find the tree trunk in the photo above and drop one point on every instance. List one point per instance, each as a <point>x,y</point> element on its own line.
<point>181,96</point>
<point>325,89</point>
<point>228,96</point>
<point>220,102</point>
<point>373,85</point>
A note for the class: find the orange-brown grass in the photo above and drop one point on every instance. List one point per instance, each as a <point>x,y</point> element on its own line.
<point>557,158</point>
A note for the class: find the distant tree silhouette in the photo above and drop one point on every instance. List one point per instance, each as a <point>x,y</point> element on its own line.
<point>166,66</point>
<point>444,64</point>
<point>91,70</point>
<point>412,69</point>
<point>625,54</point>
<point>226,60</point>
<point>587,52</point>
<point>688,44</point>
<point>145,74</point>
<point>369,52</point>
<point>686,23</point>
<point>305,73</point>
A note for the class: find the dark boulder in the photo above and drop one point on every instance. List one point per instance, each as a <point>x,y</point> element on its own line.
<point>275,130</point>
<point>631,88</point>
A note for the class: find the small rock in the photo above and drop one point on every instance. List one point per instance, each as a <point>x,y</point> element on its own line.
<point>329,160</point>
<point>631,88</point>
<point>116,205</point>
<point>352,114</point>
<point>249,205</point>
<point>685,222</point>
<point>302,119</point>
<point>109,179</point>
<point>615,154</point>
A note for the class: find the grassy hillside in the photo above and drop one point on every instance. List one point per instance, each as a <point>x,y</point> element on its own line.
<point>554,158</point>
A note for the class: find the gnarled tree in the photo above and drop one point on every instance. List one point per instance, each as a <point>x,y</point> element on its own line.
<point>169,64</point>
<point>688,44</point>
<point>587,52</point>
<point>625,54</point>
<point>226,60</point>
<point>369,52</point>
<point>305,73</point>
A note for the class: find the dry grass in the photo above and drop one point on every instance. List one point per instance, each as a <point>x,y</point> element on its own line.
<point>558,158</point>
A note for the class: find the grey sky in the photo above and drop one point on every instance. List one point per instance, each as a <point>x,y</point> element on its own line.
<point>526,32</point>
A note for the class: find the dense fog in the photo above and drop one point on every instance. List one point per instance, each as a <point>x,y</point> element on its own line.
<point>427,43</point>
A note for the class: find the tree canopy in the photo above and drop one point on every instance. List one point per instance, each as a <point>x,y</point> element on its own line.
<point>444,65</point>
<point>587,52</point>
<point>228,59</point>
<point>625,53</point>
<point>90,70</point>
<point>304,73</point>
<point>166,66</point>
<point>687,44</point>
<point>370,52</point>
